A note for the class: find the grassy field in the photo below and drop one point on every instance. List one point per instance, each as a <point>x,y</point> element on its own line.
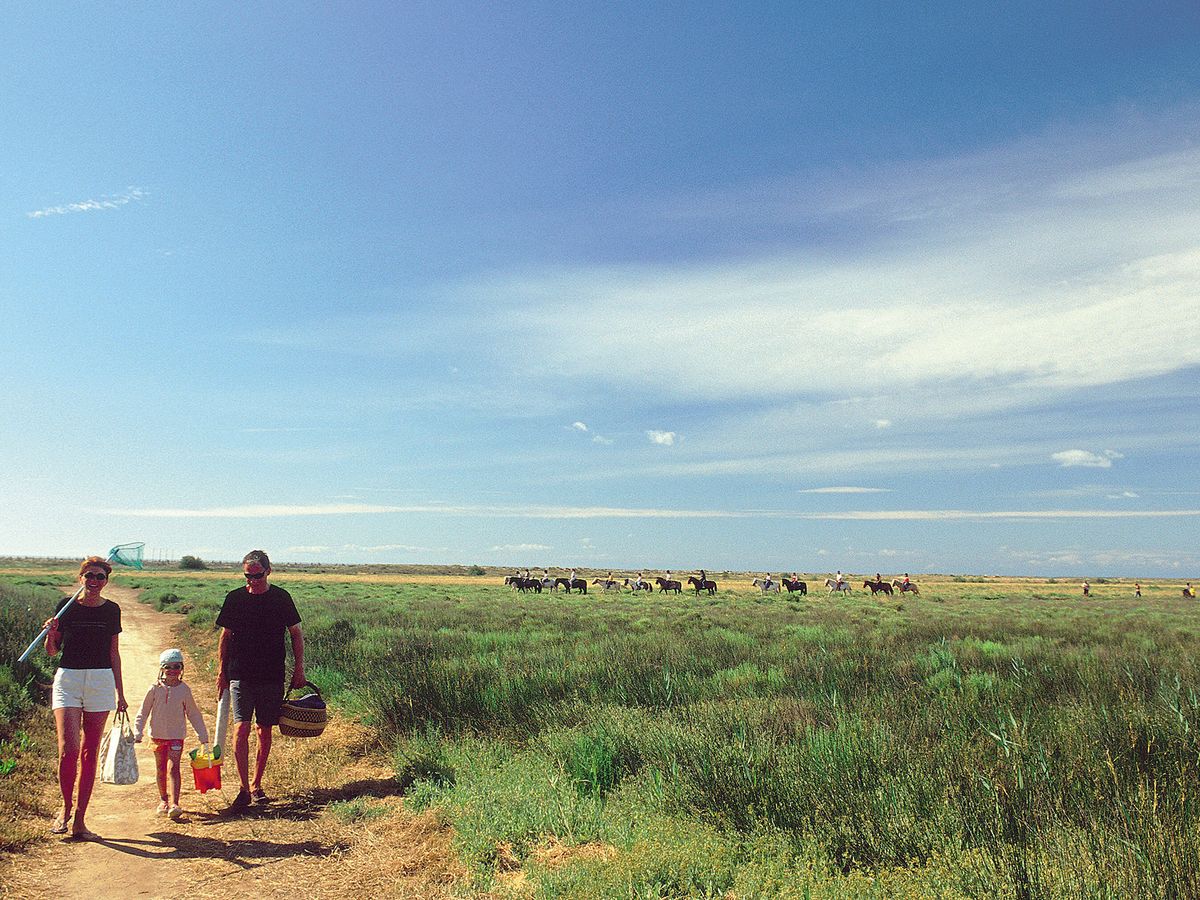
<point>991,738</point>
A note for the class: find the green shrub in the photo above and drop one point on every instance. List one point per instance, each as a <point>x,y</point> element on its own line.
<point>192,562</point>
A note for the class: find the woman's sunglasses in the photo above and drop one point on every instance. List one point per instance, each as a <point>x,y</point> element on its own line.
<point>95,576</point>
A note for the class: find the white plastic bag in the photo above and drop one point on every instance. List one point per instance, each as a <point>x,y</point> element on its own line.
<point>117,754</point>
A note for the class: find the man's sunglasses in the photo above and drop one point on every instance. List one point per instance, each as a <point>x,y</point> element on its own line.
<point>95,576</point>
<point>254,576</point>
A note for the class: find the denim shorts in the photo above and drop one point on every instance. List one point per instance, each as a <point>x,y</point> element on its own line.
<point>260,699</point>
<point>92,690</point>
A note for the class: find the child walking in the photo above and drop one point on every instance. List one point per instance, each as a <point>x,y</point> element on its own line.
<point>168,707</point>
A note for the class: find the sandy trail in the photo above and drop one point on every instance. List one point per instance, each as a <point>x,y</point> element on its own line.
<point>128,860</point>
<point>291,845</point>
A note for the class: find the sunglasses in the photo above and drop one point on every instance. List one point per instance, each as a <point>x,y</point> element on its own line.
<point>173,667</point>
<point>95,576</point>
<point>254,576</point>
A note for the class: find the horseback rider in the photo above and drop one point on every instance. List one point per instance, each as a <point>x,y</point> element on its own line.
<point>767,581</point>
<point>838,579</point>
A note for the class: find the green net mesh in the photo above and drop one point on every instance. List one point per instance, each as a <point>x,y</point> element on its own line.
<point>127,554</point>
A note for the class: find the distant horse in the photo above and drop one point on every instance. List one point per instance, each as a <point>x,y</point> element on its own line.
<point>909,588</point>
<point>523,585</point>
<point>710,586</point>
<point>843,586</point>
<point>797,585</point>
<point>877,586</point>
<point>636,586</point>
<point>567,583</point>
<point>668,585</point>
<point>766,584</point>
<point>608,584</point>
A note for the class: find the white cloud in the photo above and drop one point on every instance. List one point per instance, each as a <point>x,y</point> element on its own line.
<point>610,512</point>
<point>518,548</point>
<point>111,201</point>
<point>666,438</point>
<point>997,275</point>
<point>1070,458</point>
<point>845,490</point>
<point>579,426</point>
<point>883,423</point>
<point>601,439</point>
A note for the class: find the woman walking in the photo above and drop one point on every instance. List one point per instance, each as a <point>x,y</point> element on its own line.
<point>88,676</point>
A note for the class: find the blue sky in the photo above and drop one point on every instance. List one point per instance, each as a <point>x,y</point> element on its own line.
<point>877,287</point>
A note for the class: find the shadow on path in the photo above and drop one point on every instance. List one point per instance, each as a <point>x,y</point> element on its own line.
<point>247,854</point>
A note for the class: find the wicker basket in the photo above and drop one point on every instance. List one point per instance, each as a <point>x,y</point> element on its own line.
<point>305,716</point>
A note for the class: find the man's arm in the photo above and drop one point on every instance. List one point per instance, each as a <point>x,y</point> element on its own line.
<point>297,655</point>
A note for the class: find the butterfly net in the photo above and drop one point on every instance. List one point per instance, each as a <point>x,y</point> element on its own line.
<point>127,554</point>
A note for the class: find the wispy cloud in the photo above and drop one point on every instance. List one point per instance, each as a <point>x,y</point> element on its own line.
<point>1086,458</point>
<point>844,490</point>
<point>883,423</point>
<point>951,265</point>
<point>578,426</point>
<point>518,548</point>
<point>606,512</point>
<point>109,201</point>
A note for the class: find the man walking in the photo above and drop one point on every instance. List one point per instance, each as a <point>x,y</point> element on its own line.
<point>251,656</point>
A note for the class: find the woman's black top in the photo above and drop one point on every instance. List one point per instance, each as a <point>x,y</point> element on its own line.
<point>87,633</point>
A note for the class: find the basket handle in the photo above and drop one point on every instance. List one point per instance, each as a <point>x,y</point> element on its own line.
<point>308,684</point>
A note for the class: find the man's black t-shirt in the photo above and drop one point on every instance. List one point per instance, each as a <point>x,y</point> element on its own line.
<point>87,633</point>
<point>257,624</point>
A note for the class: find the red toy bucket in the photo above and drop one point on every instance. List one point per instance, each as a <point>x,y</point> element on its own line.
<point>206,768</point>
<point>208,778</point>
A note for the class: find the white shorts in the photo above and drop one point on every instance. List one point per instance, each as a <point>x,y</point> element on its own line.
<point>92,690</point>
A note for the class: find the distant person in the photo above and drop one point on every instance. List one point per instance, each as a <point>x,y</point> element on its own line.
<point>168,707</point>
<point>838,579</point>
<point>251,655</point>
<point>87,687</point>
<point>1137,589</point>
<point>878,578</point>
<point>1189,591</point>
<point>1087,589</point>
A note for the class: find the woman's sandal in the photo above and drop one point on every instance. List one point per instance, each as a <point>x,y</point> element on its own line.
<point>83,834</point>
<point>60,825</point>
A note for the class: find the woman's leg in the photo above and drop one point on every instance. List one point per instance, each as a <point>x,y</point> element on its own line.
<point>68,722</point>
<point>93,730</point>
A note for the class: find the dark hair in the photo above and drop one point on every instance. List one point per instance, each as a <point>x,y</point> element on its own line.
<point>258,556</point>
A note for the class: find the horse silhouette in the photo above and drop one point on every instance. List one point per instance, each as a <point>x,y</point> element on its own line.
<point>877,586</point>
<point>843,586</point>
<point>567,583</point>
<point>796,585</point>
<point>909,588</point>
<point>710,586</point>
<point>668,585</point>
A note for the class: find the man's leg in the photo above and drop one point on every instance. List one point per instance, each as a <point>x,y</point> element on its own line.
<point>260,759</point>
<point>241,753</point>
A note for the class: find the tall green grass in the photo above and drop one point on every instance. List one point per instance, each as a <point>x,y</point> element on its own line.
<point>966,743</point>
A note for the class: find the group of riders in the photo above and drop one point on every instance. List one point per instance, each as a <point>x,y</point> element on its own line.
<point>526,580</point>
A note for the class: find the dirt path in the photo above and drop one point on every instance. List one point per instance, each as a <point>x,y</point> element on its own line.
<point>293,845</point>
